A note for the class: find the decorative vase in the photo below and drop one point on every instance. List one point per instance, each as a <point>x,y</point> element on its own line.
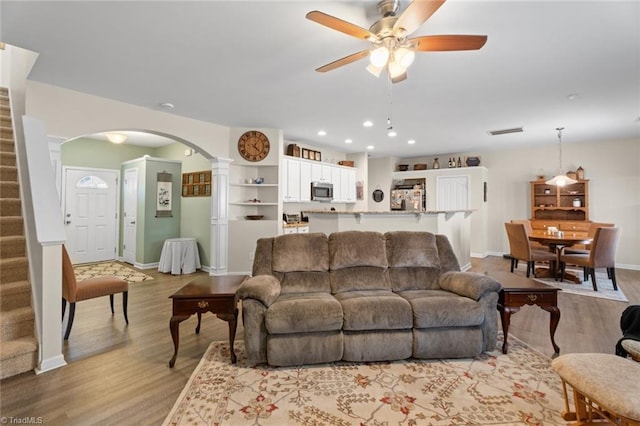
<point>580,173</point>
<point>436,163</point>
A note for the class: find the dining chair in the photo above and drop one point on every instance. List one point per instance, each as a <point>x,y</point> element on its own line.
<point>591,233</point>
<point>520,249</point>
<point>74,291</point>
<point>601,255</point>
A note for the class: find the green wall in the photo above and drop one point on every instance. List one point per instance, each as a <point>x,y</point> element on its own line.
<point>196,211</point>
<point>84,152</point>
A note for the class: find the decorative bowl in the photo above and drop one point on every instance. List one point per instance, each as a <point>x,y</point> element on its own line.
<point>473,161</point>
<point>403,167</point>
<point>254,216</point>
<point>420,166</point>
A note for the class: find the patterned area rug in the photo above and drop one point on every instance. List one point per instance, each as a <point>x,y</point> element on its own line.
<point>109,268</point>
<point>519,388</point>
<point>605,285</point>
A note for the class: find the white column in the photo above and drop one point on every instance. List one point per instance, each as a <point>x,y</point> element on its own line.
<point>219,216</point>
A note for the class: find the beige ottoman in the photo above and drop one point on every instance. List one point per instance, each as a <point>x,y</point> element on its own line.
<point>632,347</point>
<point>604,387</point>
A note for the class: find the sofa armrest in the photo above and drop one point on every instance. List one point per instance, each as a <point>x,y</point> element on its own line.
<point>265,288</point>
<point>470,284</point>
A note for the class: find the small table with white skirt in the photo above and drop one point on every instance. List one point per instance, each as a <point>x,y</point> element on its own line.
<point>179,256</point>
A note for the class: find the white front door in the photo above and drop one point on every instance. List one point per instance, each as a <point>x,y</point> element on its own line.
<point>130,215</point>
<point>90,214</point>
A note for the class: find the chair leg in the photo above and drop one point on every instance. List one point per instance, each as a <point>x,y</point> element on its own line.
<point>593,278</point>
<point>125,299</point>
<point>516,262</point>
<point>585,273</point>
<point>555,270</point>
<point>72,314</point>
<point>563,266</point>
<point>111,303</point>
<point>513,262</point>
<point>612,275</point>
<point>64,307</point>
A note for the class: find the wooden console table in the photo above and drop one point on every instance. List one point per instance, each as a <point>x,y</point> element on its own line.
<point>518,291</point>
<point>215,294</point>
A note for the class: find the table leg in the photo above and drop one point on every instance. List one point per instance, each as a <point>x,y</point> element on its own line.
<point>175,335</point>
<point>199,320</point>
<point>232,319</point>
<point>553,324</point>
<point>505,318</point>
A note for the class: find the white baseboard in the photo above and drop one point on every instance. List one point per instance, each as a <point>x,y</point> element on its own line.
<point>51,364</point>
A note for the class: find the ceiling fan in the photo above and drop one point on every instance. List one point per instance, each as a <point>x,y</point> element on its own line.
<point>390,48</point>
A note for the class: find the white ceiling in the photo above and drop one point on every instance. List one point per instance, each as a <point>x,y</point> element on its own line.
<point>251,64</point>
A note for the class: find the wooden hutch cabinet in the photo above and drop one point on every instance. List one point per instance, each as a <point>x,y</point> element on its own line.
<point>565,207</point>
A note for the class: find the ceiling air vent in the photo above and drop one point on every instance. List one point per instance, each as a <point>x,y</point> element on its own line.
<point>505,131</point>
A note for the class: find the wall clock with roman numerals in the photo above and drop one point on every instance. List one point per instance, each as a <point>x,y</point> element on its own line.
<point>253,146</point>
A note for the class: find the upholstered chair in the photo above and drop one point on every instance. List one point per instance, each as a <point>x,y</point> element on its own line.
<point>520,249</point>
<point>74,291</point>
<point>601,255</point>
<point>591,233</point>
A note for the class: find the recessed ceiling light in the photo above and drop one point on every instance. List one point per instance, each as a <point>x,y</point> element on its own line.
<point>411,141</point>
<point>370,147</point>
<point>167,105</point>
<point>368,123</point>
<point>392,133</point>
<point>572,96</point>
<point>322,133</point>
<point>348,141</point>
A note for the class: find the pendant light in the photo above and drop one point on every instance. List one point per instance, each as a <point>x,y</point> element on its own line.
<point>560,179</point>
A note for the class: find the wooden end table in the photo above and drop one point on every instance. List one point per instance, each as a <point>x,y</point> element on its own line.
<point>215,294</point>
<point>518,291</point>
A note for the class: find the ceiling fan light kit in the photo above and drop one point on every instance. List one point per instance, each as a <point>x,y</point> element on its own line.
<point>390,49</point>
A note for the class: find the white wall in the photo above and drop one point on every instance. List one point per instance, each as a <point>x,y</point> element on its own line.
<point>68,114</point>
<point>613,170</point>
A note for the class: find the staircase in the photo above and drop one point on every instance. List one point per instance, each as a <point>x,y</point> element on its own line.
<point>18,345</point>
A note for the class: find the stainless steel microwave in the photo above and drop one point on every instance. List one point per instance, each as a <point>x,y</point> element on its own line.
<point>321,191</point>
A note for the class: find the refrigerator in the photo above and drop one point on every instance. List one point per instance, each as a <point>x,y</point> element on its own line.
<point>407,199</point>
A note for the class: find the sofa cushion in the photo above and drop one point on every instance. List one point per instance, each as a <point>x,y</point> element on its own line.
<point>438,308</point>
<point>356,248</point>
<point>374,310</point>
<point>305,282</point>
<point>359,278</point>
<point>402,279</point>
<point>302,313</point>
<point>300,252</point>
<point>412,249</point>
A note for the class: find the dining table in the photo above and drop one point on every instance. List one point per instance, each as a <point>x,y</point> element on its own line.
<point>557,242</point>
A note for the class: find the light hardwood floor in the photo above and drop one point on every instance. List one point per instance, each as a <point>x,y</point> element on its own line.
<point>119,374</point>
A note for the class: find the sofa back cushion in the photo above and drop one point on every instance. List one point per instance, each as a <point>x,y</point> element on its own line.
<point>414,263</point>
<point>358,261</point>
<point>301,262</point>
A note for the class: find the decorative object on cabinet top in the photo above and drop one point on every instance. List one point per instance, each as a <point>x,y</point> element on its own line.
<point>347,163</point>
<point>473,161</point>
<point>196,184</point>
<point>293,150</point>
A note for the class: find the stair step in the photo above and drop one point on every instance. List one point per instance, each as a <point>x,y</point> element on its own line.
<point>10,207</point>
<point>11,225</point>
<point>9,190</point>
<point>6,131</point>
<point>13,269</point>
<point>8,173</point>
<point>16,323</point>
<point>7,158</point>
<point>18,356</point>
<point>13,246</point>
<point>15,295</point>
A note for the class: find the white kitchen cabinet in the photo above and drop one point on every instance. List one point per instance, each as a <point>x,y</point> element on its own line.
<point>338,194</point>
<point>305,181</point>
<point>291,180</point>
<point>347,185</point>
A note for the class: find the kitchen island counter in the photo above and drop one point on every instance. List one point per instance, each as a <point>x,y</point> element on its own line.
<point>455,224</point>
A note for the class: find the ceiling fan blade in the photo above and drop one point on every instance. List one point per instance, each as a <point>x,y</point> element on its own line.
<point>416,14</point>
<point>401,77</point>
<point>443,43</point>
<point>344,61</point>
<point>339,25</point>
